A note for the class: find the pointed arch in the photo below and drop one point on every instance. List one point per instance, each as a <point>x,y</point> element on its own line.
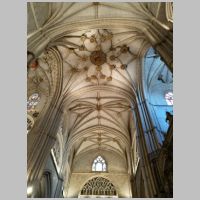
<point>99,164</point>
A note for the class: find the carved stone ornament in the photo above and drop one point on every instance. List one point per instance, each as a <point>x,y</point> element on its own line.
<point>98,58</point>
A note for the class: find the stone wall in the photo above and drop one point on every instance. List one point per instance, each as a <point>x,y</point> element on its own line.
<point>116,172</point>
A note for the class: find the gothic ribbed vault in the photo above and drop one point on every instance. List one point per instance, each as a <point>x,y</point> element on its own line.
<point>86,67</point>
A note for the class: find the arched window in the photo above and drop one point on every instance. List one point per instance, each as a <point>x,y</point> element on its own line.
<point>169,98</point>
<point>98,187</point>
<point>33,100</point>
<point>99,164</point>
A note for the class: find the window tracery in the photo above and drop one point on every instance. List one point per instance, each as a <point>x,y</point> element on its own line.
<point>99,186</point>
<point>169,98</point>
<point>33,100</point>
<point>99,164</point>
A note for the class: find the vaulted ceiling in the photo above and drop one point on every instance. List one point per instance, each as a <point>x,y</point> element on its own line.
<point>98,90</point>
<point>101,67</point>
<point>50,21</point>
<point>47,15</point>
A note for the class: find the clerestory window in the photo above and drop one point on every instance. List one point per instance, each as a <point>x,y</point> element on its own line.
<point>99,164</point>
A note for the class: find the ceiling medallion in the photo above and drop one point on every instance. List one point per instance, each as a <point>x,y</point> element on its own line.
<point>109,78</point>
<point>112,57</point>
<point>97,53</point>
<point>123,66</point>
<point>83,37</point>
<point>98,57</point>
<point>92,39</point>
<point>124,49</point>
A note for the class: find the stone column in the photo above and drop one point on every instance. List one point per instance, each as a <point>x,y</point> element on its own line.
<point>133,186</point>
<point>37,43</point>
<point>161,40</point>
<point>58,192</point>
<point>42,137</point>
<point>148,145</point>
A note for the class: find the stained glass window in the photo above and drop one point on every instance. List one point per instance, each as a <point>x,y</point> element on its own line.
<point>33,101</point>
<point>169,98</point>
<point>99,164</point>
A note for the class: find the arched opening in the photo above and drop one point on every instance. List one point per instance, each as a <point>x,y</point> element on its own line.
<point>99,165</point>
<point>98,187</point>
